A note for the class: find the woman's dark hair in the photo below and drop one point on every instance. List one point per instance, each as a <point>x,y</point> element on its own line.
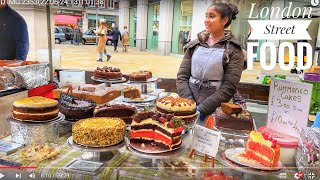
<point>229,11</point>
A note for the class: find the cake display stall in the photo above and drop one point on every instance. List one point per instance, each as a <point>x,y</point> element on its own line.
<point>118,130</point>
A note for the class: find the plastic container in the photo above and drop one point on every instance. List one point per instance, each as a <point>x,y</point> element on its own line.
<point>288,145</point>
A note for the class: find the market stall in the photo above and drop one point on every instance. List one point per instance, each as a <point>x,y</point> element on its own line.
<point>125,127</point>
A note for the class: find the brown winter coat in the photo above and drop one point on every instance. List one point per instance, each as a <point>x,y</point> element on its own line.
<point>102,40</point>
<point>233,64</point>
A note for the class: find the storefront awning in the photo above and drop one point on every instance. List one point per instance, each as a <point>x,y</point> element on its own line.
<point>66,19</point>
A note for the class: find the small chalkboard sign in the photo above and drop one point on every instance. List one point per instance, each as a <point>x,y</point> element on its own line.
<point>289,104</point>
<point>206,140</point>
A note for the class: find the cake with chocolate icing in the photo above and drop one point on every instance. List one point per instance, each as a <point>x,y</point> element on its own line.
<point>131,93</point>
<point>121,111</point>
<point>35,108</point>
<point>158,129</point>
<point>107,73</point>
<point>232,116</point>
<point>180,107</point>
<point>99,132</point>
<point>76,108</point>
<point>140,76</point>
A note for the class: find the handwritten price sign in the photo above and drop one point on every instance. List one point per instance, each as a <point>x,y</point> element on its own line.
<point>289,104</point>
<point>206,140</point>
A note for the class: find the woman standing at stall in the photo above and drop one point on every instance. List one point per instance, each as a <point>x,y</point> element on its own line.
<point>212,65</point>
<point>102,40</point>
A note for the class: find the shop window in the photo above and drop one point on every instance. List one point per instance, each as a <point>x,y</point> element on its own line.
<point>111,4</point>
<point>182,25</point>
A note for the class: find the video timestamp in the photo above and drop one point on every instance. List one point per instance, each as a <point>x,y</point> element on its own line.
<point>55,176</point>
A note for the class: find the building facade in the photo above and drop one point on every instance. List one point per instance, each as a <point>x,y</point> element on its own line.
<point>166,26</point>
<point>87,14</point>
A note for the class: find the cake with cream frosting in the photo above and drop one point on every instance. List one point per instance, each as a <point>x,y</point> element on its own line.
<point>35,108</point>
<point>99,132</point>
<point>158,128</point>
<point>179,107</point>
<point>262,149</point>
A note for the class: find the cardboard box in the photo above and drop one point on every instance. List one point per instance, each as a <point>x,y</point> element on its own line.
<point>99,99</point>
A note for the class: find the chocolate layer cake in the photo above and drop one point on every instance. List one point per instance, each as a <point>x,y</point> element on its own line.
<point>131,93</point>
<point>122,111</point>
<point>76,108</point>
<point>107,73</point>
<point>35,108</point>
<point>140,76</point>
<point>241,121</point>
<point>160,129</point>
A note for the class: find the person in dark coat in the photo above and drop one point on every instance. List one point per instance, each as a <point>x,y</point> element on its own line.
<point>77,36</point>
<point>116,34</point>
<point>212,65</point>
<point>14,38</point>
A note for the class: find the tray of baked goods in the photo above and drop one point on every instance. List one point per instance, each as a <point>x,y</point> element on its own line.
<point>144,76</point>
<point>133,95</point>
<point>108,74</point>
<point>97,93</point>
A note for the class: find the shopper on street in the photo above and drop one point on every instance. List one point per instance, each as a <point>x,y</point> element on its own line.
<point>212,65</point>
<point>102,40</point>
<point>14,38</point>
<point>76,36</point>
<point>115,38</point>
<point>125,39</point>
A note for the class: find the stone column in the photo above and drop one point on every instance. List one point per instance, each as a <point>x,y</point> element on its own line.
<point>165,26</point>
<point>198,17</point>
<point>123,14</point>
<point>142,24</point>
<point>85,22</point>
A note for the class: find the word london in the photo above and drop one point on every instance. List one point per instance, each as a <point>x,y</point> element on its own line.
<point>303,61</point>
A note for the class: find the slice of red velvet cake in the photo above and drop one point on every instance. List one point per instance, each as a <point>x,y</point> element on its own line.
<point>263,149</point>
<point>161,129</point>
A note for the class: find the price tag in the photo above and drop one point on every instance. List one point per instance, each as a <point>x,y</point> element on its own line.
<point>289,104</point>
<point>83,165</point>
<point>7,148</point>
<point>206,140</point>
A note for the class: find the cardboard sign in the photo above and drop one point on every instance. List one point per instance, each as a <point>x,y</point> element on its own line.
<point>289,104</point>
<point>206,140</point>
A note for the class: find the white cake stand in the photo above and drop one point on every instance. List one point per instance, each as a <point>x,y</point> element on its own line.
<point>144,84</point>
<point>151,160</point>
<point>109,81</point>
<point>99,154</point>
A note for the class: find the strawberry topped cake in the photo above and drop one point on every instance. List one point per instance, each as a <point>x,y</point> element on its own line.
<point>158,128</point>
<point>262,149</point>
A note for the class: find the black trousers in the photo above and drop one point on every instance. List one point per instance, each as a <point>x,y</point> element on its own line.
<point>115,44</point>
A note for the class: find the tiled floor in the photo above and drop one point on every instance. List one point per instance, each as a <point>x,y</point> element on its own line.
<point>84,57</point>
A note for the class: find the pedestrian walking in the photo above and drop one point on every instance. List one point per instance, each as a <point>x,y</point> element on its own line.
<point>102,39</point>
<point>125,39</point>
<point>76,36</point>
<point>115,38</point>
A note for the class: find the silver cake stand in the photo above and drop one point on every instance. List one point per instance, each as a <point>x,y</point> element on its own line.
<point>109,81</point>
<point>98,154</point>
<point>151,160</point>
<point>144,84</point>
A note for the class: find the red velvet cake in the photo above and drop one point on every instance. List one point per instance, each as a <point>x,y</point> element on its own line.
<point>161,129</point>
<point>262,149</point>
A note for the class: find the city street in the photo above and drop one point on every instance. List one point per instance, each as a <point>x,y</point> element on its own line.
<point>84,57</point>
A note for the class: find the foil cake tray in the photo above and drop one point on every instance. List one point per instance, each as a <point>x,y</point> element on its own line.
<point>34,133</point>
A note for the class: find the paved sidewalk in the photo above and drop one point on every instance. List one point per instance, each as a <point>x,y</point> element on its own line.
<point>84,57</point>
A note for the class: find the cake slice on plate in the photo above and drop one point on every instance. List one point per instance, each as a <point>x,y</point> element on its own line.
<point>262,149</point>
